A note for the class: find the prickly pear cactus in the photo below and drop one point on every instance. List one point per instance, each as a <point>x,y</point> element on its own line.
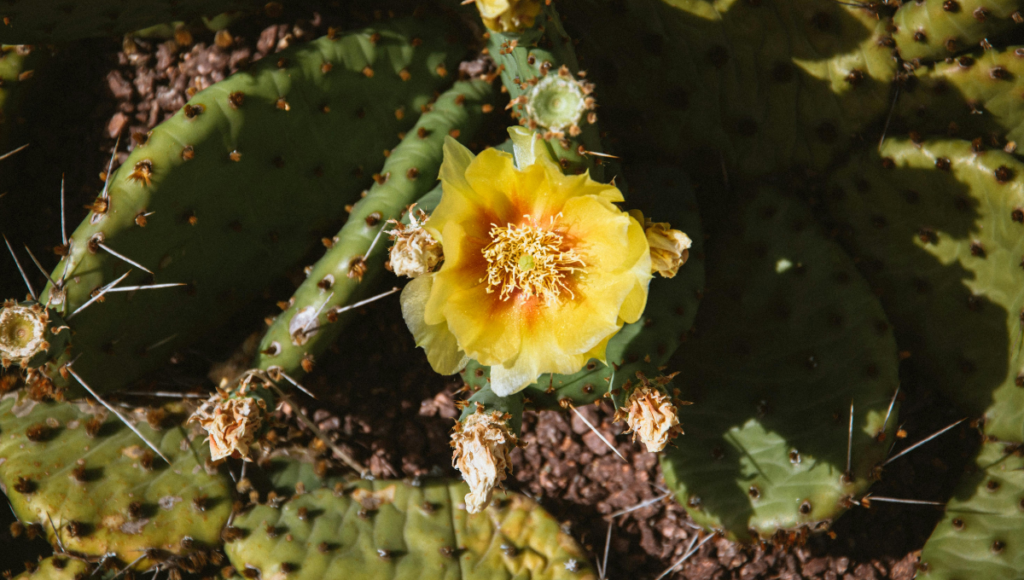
<point>787,339</point>
<point>938,29</point>
<point>747,86</point>
<point>390,529</point>
<point>980,534</point>
<point>664,194</point>
<point>44,21</point>
<point>92,483</point>
<point>236,187</point>
<point>938,230</point>
<point>312,320</point>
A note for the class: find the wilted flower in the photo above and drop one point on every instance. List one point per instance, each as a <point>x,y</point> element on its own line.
<point>540,270</point>
<point>482,445</point>
<point>232,420</point>
<point>651,414</point>
<point>669,248</point>
<point>508,15</point>
<point>414,252</point>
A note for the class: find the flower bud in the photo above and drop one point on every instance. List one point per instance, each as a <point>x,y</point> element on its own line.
<point>669,248</point>
<point>482,445</point>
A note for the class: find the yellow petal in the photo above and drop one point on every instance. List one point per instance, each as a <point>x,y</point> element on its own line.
<point>442,348</point>
<point>633,306</point>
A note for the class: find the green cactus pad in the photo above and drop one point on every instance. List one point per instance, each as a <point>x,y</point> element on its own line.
<point>973,95</point>
<point>311,322</point>
<point>60,568</point>
<point>17,69</point>
<point>512,405</point>
<point>238,185</point>
<point>52,21</point>
<point>664,194</point>
<point>981,534</point>
<point>787,337</point>
<point>753,86</point>
<point>938,230</point>
<point>102,487</point>
<point>396,530</point>
<point>938,29</point>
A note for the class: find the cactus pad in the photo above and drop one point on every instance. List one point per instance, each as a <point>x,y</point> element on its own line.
<point>787,337</point>
<point>389,529</point>
<point>753,86</point>
<point>60,568</point>
<point>100,484</point>
<point>938,29</point>
<point>973,95</point>
<point>981,534</point>
<point>301,332</point>
<point>938,230</point>
<point>236,186</point>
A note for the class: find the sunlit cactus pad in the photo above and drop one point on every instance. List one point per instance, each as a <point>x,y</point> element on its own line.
<point>103,489</point>
<point>390,529</point>
<point>982,533</point>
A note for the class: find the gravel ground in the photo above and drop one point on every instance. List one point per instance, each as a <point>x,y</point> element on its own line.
<point>123,91</point>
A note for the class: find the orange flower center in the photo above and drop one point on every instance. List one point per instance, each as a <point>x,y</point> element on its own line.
<point>529,260</point>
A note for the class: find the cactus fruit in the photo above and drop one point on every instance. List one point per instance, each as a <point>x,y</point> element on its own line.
<point>753,86</point>
<point>791,373</point>
<point>235,187</point>
<point>973,95</point>
<point>92,483</point>
<point>30,334</point>
<point>48,21</point>
<point>980,535</point>
<point>937,229</point>
<point>930,30</point>
<point>663,194</point>
<point>312,320</point>
<point>549,93</point>
<point>390,529</point>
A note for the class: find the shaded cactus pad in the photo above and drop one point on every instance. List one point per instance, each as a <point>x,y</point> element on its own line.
<point>389,529</point>
<point>787,337</point>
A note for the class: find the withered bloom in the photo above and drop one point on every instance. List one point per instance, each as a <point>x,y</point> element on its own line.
<point>482,445</point>
<point>232,420</point>
<point>415,252</point>
<point>651,414</point>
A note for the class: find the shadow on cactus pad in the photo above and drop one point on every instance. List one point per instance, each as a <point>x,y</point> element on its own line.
<point>788,338</point>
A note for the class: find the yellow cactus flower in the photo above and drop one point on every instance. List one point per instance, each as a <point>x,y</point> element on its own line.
<point>508,15</point>
<point>540,270</point>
